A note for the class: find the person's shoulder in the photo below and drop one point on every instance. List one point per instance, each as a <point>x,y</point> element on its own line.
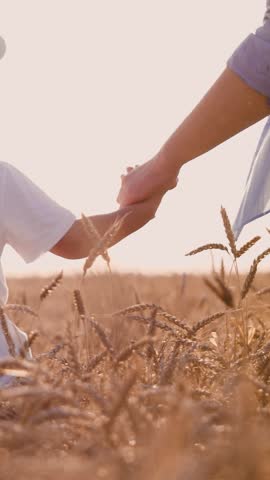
<point>8,167</point>
<point>5,165</point>
<point>4,168</point>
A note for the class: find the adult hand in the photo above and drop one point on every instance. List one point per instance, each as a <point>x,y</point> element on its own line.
<point>142,182</point>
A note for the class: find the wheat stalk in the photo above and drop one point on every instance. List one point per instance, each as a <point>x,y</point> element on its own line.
<point>73,361</point>
<point>102,334</point>
<point>161,325</point>
<point>206,321</point>
<point>252,273</point>
<point>175,321</point>
<point>229,232</point>
<point>48,289</point>
<point>104,243</point>
<point>94,236</point>
<point>209,246</point>
<point>20,308</point>
<point>247,246</point>
<point>121,400</point>
<point>94,362</point>
<point>169,367</point>
<point>150,351</point>
<point>57,413</point>
<point>78,303</point>
<point>9,340</point>
<point>222,271</point>
<point>223,292</point>
<point>89,390</point>
<point>28,343</point>
<point>140,307</point>
<point>129,350</point>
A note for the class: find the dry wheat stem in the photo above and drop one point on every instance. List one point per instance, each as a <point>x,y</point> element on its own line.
<point>209,246</point>
<point>160,325</point>
<point>93,235</point>
<point>175,321</point>
<point>48,289</point>
<point>140,307</point>
<point>56,413</point>
<point>96,397</point>
<point>150,351</point>
<point>169,367</point>
<point>229,231</point>
<point>223,292</point>
<point>72,351</point>
<point>222,271</point>
<point>28,344</point>
<point>121,400</point>
<point>206,321</point>
<point>20,308</point>
<point>95,361</point>
<point>52,353</point>
<point>104,243</point>
<point>247,246</point>
<point>101,334</point>
<point>9,340</point>
<point>252,273</point>
<point>78,302</point>
<point>130,349</point>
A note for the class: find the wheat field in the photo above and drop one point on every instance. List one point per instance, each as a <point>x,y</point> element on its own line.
<point>140,377</point>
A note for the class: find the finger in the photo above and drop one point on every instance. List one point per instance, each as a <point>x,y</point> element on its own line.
<point>130,169</point>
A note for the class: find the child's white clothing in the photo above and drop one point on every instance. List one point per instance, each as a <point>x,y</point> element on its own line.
<point>32,223</point>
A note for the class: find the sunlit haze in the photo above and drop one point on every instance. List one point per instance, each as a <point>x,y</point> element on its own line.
<point>88,87</point>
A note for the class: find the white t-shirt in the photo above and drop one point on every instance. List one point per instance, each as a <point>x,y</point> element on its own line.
<point>32,223</point>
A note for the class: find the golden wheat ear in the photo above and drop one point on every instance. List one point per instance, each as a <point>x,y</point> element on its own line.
<point>94,236</point>
<point>9,340</point>
<point>229,231</point>
<point>48,289</point>
<point>252,273</point>
<point>104,243</point>
<point>247,246</point>
<point>208,246</point>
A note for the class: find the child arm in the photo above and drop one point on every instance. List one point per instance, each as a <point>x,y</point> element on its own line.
<point>76,244</point>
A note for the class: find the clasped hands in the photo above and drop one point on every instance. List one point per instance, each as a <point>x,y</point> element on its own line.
<point>143,187</point>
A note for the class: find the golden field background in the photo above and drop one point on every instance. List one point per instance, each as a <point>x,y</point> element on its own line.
<point>140,377</point>
<point>177,403</point>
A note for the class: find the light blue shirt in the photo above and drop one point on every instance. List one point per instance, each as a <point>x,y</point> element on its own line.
<point>251,61</point>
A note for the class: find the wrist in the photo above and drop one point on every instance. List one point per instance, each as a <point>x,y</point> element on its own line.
<point>168,162</point>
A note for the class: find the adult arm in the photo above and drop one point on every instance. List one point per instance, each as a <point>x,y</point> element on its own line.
<point>238,99</point>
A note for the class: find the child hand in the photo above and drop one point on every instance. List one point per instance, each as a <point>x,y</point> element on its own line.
<point>142,182</point>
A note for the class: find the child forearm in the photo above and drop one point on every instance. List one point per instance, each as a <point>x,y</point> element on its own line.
<point>229,107</point>
<point>76,244</point>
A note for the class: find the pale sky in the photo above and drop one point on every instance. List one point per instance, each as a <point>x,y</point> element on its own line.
<point>88,87</point>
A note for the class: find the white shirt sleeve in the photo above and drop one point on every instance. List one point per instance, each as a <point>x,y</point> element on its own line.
<point>32,222</point>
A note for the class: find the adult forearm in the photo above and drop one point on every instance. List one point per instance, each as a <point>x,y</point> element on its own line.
<point>229,107</point>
